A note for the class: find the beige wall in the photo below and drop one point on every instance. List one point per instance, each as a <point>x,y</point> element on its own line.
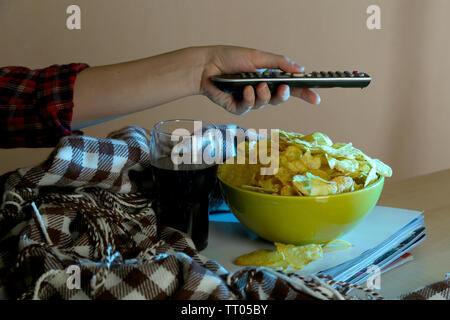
<point>402,118</point>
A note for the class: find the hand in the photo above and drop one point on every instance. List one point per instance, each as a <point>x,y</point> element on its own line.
<point>228,59</point>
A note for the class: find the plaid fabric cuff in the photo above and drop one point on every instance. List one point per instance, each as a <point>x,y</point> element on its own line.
<point>36,105</point>
<point>55,99</point>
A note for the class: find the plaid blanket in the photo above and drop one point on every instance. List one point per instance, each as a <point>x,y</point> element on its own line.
<point>436,291</point>
<point>82,212</point>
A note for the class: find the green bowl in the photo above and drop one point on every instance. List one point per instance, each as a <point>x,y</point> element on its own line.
<point>301,220</point>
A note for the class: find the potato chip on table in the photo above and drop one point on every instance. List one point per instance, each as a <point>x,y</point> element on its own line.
<point>288,257</point>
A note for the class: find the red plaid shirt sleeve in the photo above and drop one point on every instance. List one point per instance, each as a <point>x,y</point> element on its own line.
<point>36,105</point>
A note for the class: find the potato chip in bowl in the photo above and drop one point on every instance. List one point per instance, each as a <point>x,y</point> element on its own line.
<point>310,165</point>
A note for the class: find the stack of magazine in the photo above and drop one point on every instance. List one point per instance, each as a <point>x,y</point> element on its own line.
<point>383,239</point>
<point>390,253</point>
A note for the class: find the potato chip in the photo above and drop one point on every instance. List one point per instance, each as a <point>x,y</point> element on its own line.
<point>302,184</point>
<point>293,153</point>
<point>289,135</point>
<point>286,257</point>
<point>344,184</point>
<point>381,168</point>
<point>270,184</point>
<point>364,166</point>
<point>288,190</point>
<point>344,166</point>
<point>311,185</point>
<point>318,138</point>
<point>336,245</point>
<point>310,161</point>
<point>298,257</point>
<point>238,174</point>
<point>303,145</point>
<point>262,258</point>
<point>320,173</point>
<point>284,175</point>
<point>371,177</point>
<point>253,188</point>
<point>297,166</point>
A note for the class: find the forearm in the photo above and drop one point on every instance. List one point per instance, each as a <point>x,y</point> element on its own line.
<point>107,92</point>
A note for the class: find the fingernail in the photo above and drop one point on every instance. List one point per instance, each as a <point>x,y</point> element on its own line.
<point>286,94</point>
<point>317,95</point>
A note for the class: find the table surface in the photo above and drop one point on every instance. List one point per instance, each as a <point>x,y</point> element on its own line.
<point>430,193</point>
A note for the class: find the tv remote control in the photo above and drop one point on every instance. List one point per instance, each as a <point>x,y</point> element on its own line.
<point>235,83</point>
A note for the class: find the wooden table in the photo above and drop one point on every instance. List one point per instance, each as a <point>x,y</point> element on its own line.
<point>430,193</point>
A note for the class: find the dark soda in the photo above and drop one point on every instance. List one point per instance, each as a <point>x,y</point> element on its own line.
<point>182,197</point>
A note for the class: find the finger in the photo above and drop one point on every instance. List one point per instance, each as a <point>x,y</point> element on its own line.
<point>229,102</point>
<point>269,60</point>
<point>282,95</point>
<point>307,94</point>
<point>223,99</point>
<point>262,95</point>
<point>247,102</point>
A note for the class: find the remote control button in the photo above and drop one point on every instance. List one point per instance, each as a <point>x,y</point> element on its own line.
<point>323,74</point>
<point>298,75</point>
<point>243,75</point>
<point>362,75</point>
<point>283,75</point>
<point>355,72</point>
<point>348,73</point>
<point>308,75</point>
<point>251,75</point>
<point>339,74</point>
<point>315,74</point>
<point>331,74</point>
<point>266,74</point>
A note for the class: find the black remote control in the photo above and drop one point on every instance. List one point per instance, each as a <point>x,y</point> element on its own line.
<point>235,83</point>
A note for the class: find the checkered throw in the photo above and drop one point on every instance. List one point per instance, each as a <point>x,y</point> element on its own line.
<point>82,212</point>
<point>436,291</point>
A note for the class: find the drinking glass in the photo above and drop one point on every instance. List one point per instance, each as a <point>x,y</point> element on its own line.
<point>183,156</point>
